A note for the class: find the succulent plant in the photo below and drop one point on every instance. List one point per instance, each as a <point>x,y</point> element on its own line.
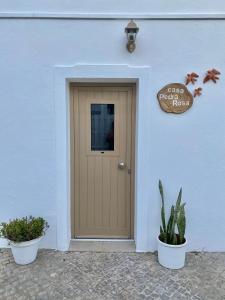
<point>173,231</point>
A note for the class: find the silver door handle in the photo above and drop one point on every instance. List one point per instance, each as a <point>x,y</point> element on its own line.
<point>121,165</point>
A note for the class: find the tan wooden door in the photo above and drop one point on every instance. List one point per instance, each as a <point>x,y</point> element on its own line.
<point>102,121</point>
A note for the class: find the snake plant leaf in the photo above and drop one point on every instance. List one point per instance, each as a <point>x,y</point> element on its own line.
<point>163,215</point>
<point>181,223</point>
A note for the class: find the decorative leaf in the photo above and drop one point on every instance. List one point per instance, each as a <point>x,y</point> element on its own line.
<point>212,75</point>
<point>197,92</point>
<point>191,78</point>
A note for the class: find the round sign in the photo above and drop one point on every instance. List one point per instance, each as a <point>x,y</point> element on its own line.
<point>175,98</point>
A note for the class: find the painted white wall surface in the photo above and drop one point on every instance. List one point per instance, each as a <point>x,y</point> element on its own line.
<point>134,6</point>
<point>185,150</point>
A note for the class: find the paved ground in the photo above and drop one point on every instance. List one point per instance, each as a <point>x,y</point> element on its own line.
<point>87,275</point>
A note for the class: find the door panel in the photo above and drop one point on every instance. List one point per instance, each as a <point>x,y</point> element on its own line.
<point>102,123</point>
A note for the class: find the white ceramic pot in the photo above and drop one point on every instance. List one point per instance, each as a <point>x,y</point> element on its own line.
<point>171,256</point>
<point>25,252</point>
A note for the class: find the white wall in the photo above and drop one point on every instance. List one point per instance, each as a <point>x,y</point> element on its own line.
<point>135,6</point>
<point>184,150</point>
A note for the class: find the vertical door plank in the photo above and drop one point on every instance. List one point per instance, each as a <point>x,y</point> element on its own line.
<point>106,197</point>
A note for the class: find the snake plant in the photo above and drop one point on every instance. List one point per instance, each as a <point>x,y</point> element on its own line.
<point>173,231</point>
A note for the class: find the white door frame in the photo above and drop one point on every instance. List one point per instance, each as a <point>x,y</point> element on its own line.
<point>63,75</point>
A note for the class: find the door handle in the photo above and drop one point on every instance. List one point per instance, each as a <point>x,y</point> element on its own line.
<point>121,165</point>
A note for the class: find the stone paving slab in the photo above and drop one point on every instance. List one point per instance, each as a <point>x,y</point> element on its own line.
<point>87,275</point>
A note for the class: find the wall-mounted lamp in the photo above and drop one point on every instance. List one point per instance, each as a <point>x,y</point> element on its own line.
<point>131,31</point>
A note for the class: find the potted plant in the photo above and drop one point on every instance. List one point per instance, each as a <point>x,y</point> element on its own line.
<point>171,240</point>
<point>24,236</point>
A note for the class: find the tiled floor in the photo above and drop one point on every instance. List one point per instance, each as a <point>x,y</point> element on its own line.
<point>89,275</point>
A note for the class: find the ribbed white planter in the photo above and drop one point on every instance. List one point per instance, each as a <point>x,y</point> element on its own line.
<point>25,252</point>
<point>171,256</point>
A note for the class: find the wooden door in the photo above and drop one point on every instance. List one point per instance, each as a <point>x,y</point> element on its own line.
<point>102,137</point>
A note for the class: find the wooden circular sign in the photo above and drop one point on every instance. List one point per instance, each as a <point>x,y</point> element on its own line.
<point>175,98</point>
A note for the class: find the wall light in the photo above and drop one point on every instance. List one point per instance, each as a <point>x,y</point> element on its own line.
<point>131,31</point>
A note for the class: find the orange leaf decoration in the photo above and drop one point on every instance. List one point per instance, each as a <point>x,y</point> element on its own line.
<point>191,78</point>
<point>197,92</point>
<point>212,75</point>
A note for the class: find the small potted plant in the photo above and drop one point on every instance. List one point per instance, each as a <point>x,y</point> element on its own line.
<point>171,240</point>
<point>24,236</point>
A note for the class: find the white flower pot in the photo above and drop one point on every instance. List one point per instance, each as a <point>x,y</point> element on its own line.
<point>25,252</point>
<point>171,256</point>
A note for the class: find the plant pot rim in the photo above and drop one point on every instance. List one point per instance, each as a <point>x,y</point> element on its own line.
<point>25,243</point>
<point>172,246</point>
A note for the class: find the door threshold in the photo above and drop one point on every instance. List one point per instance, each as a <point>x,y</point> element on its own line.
<point>102,240</point>
<point>102,245</point>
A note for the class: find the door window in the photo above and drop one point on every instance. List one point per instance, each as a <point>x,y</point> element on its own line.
<point>102,127</point>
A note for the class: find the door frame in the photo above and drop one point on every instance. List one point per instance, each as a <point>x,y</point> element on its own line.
<point>145,227</point>
<point>73,156</point>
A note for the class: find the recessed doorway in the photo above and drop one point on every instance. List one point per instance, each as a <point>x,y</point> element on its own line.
<point>102,161</point>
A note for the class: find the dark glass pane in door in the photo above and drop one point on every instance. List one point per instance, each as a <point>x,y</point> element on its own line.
<point>102,127</point>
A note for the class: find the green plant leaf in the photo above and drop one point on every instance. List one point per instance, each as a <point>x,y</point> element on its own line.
<point>24,229</point>
<point>163,216</point>
<point>181,224</point>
